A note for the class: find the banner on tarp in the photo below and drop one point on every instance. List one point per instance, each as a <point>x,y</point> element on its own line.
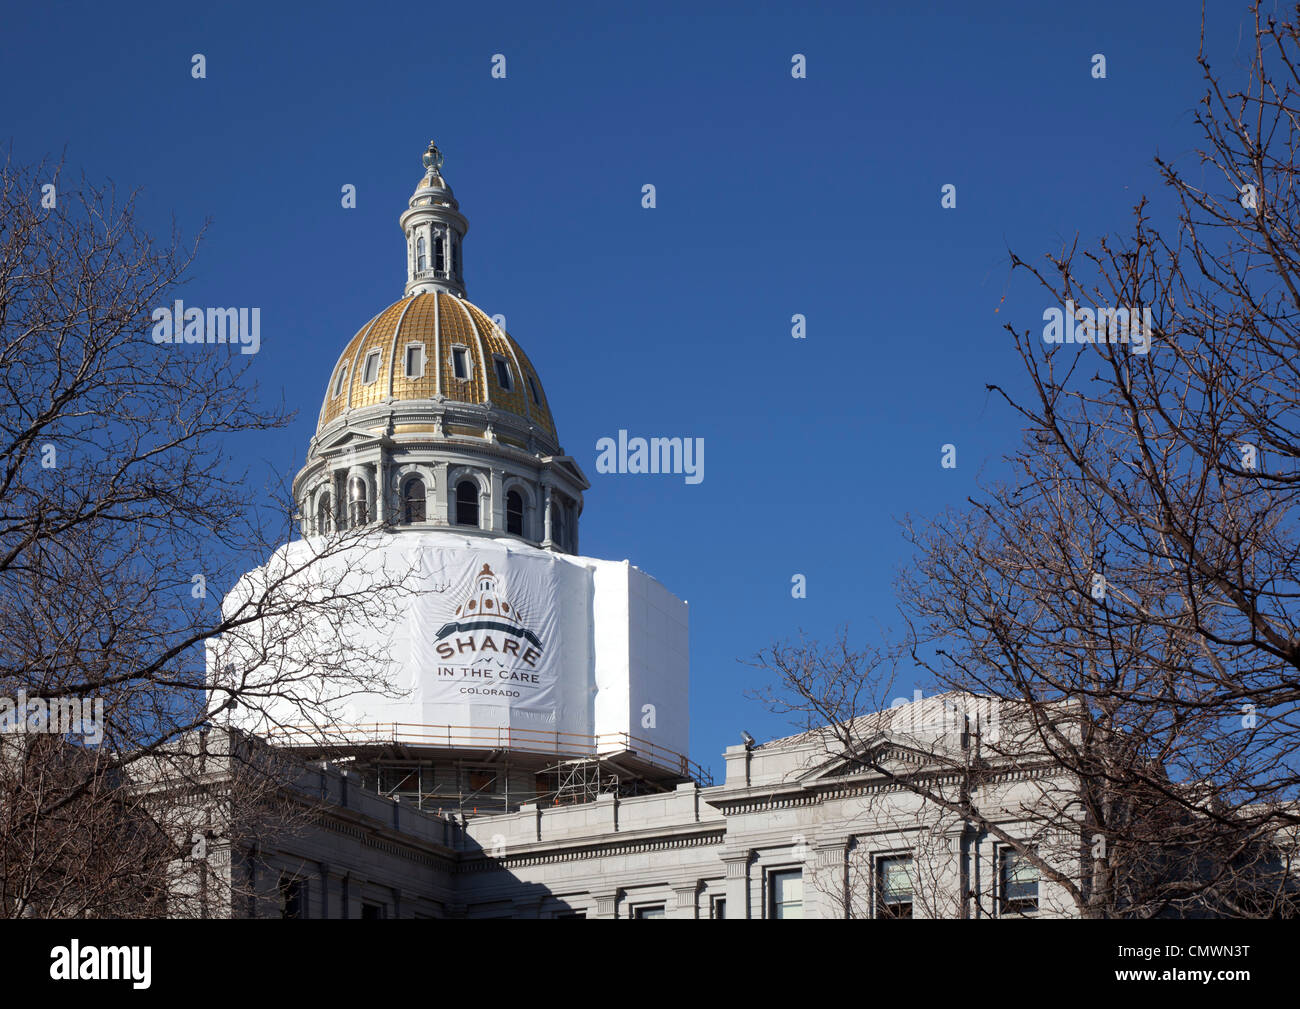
<point>490,636</point>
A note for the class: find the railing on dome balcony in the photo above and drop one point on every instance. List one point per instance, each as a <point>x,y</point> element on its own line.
<point>433,275</point>
<point>560,744</point>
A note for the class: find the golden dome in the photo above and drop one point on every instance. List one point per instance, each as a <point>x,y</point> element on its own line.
<point>372,369</point>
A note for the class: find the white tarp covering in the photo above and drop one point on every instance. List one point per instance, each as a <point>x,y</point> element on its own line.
<point>504,644</point>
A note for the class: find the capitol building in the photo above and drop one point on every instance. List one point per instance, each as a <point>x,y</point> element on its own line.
<point>532,758</point>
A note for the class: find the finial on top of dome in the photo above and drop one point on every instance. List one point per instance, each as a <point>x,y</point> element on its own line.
<point>432,159</point>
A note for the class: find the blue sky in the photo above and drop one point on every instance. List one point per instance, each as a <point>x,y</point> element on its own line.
<point>775,196</point>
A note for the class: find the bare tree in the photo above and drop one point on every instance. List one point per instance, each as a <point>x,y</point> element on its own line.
<point>1131,588</point>
<point>122,520</point>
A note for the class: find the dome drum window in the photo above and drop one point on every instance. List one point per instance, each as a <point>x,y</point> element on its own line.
<point>358,503</point>
<point>467,503</point>
<point>324,515</point>
<point>413,499</point>
<point>515,513</point>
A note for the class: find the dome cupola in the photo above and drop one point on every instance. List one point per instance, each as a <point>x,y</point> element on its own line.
<point>433,414</point>
<point>435,231</point>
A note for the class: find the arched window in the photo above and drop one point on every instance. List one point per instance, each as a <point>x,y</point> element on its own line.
<point>413,501</point>
<point>323,515</point>
<point>421,260</point>
<point>467,503</point>
<point>439,260</point>
<point>360,513</point>
<point>515,513</point>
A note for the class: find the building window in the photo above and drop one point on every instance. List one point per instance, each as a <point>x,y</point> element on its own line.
<point>894,887</point>
<point>372,911</point>
<point>460,362</point>
<point>405,780</point>
<point>786,894</point>
<point>479,781</point>
<point>1018,881</point>
<point>718,909</point>
<point>413,501</point>
<point>504,378</point>
<point>421,260</point>
<point>370,371</point>
<point>467,503</point>
<point>515,513</point>
<point>532,389</point>
<point>360,512</point>
<point>339,380</point>
<point>655,911</point>
<point>293,898</point>
<point>323,515</point>
<point>439,260</point>
<point>415,360</point>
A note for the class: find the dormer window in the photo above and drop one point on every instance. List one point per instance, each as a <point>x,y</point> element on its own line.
<point>460,362</point>
<point>532,388</point>
<point>504,378</point>
<point>370,370</point>
<point>414,360</point>
<point>339,380</point>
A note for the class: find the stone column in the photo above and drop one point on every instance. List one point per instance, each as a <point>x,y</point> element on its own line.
<point>825,878</point>
<point>331,893</point>
<point>607,905</point>
<point>546,528</point>
<point>953,882</point>
<point>738,883</point>
<point>687,903</point>
<point>497,502</point>
<point>438,497</point>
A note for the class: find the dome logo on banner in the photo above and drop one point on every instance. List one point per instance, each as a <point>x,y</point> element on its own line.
<point>487,645</point>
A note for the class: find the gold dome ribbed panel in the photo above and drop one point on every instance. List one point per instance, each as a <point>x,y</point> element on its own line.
<point>377,341</point>
<point>439,322</point>
<point>418,326</point>
<point>458,331</point>
<point>335,405</point>
<point>495,342</point>
<point>541,414</point>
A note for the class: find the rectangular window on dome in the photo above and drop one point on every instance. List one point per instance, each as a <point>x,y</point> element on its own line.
<point>460,362</point>
<point>338,382</point>
<point>532,388</point>
<point>503,373</point>
<point>370,370</point>
<point>415,360</point>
